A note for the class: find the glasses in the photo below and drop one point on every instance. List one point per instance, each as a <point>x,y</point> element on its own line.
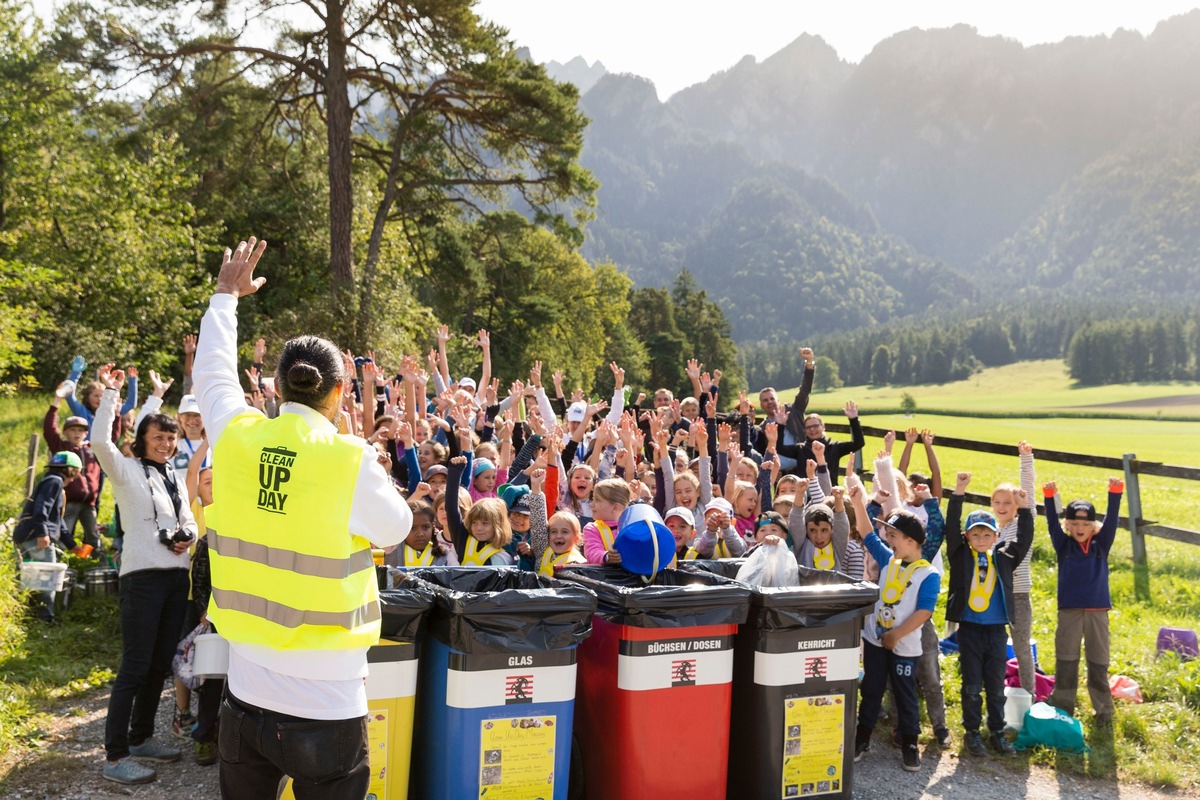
<point>815,426</point>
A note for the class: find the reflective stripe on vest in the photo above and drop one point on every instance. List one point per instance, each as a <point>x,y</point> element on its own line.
<point>414,559</point>
<point>286,571</point>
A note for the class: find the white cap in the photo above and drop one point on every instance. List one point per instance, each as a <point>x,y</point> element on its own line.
<point>719,504</point>
<point>683,513</point>
<point>576,411</point>
<point>188,404</point>
<point>467,383</point>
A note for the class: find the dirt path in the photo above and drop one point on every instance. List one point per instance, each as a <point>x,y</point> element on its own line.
<point>67,767</point>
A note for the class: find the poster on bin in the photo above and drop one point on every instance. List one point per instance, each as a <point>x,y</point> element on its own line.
<point>377,755</point>
<point>516,758</point>
<point>813,745</point>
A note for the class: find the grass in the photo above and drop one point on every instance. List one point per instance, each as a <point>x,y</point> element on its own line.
<point>41,667</point>
<point>1030,386</point>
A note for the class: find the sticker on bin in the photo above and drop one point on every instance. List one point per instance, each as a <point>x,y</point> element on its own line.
<point>791,661</point>
<point>488,681</point>
<point>672,663</point>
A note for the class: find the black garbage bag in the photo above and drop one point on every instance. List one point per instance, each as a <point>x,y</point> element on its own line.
<point>822,597</point>
<point>672,599</point>
<point>503,610</point>
<point>404,612</point>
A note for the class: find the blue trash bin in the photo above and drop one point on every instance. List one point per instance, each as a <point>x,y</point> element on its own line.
<point>496,691</point>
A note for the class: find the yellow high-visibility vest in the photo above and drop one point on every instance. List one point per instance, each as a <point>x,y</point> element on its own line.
<point>286,573</point>
<point>478,554</point>
<point>550,560</point>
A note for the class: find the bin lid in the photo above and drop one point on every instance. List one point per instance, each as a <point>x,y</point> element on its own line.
<point>823,597</point>
<point>671,599</point>
<point>404,611</point>
<point>503,609</point>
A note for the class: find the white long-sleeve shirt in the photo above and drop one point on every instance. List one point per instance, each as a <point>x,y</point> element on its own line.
<point>312,684</point>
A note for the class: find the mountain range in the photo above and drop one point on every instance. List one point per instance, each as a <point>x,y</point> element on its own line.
<point>807,194</point>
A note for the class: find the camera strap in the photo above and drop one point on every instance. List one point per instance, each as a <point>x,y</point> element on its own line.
<point>167,472</point>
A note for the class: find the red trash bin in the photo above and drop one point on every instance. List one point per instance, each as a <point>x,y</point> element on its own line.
<point>655,683</point>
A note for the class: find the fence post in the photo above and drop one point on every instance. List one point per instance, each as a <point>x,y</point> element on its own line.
<point>31,472</point>
<point>1141,567</point>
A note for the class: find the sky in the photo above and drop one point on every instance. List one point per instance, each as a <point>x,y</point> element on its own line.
<point>676,43</point>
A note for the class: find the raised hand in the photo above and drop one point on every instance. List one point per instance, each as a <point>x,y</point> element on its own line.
<point>78,364</point>
<point>535,375</point>
<point>927,437</point>
<point>818,451</point>
<point>693,369</point>
<point>260,350</point>
<point>807,354</point>
<point>963,479</point>
<point>1049,489</point>
<point>911,435</point>
<point>618,376</point>
<point>771,431</point>
<point>484,340</point>
<point>537,480</point>
<point>254,376</point>
<point>189,342</point>
<point>889,440</point>
<point>1024,448</point>
<point>851,409</point>
<point>237,269</point>
<point>160,386</point>
<point>701,438</point>
<point>443,334</point>
<point>111,378</point>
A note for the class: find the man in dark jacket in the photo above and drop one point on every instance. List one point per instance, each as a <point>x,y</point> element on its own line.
<point>814,430</point>
<point>41,523</point>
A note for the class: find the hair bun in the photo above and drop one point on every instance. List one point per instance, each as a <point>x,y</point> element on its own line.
<point>304,377</point>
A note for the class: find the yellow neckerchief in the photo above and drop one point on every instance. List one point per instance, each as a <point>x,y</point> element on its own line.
<point>478,554</point>
<point>823,557</point>
<point>896,581</point>
<point>606,533</point>
<point>691,554</point>
<point>981,595</point>
<point>722,550</point>
<point>550,561</point>
<point>422,559</point>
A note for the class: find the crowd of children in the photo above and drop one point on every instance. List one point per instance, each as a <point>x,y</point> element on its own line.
<point>539,479</point>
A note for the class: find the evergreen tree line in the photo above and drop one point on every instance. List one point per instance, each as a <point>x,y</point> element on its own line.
<point>1102,343</point>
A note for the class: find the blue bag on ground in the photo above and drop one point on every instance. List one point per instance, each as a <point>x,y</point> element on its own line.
<point>1050,727</point>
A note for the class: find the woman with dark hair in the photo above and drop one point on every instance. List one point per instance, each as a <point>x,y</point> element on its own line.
<point>154,581</point>
<point>296,509</point>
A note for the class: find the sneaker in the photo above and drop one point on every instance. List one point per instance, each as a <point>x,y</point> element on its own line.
<point>974,744</point>
<point>128,771</point>
<point>912,758</point>
<point>862,743</point>
<point>943,737</point>
<point>154,751</point>
<point>206,753</point>
<point>182,724</point>
<point>1001,745</point>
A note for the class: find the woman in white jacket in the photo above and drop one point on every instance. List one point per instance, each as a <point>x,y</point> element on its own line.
<point>159,528</point>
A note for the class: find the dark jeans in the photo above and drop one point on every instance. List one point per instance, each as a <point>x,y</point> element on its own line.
<point>326,759</point>
<point>983,661</point>
<point>208,709</point>
<point>880,666</point>
<point>153,602</point>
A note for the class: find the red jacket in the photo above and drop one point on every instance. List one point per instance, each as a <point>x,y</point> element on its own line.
<point>85,488</point>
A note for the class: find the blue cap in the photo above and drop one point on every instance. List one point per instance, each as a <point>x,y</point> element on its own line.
<point>981,519</point>
<point>480,466</point>
<point>645,543</point>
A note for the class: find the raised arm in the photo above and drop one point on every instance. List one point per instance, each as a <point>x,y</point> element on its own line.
<point>218,390</point>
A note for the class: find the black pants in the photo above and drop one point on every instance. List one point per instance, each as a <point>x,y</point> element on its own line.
<point>983,661</point>
<point>153,602</point>
<point>208,709</point>
<point>326,759</point>
<point>879,667</point>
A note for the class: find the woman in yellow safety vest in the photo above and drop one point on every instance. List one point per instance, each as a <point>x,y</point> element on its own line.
<point>296,510</point>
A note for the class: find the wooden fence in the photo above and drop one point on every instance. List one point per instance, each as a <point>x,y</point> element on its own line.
<point>1129,465</point>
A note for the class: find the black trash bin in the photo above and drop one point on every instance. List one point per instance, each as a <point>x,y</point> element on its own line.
<point>795,685</point>
<point>655,683</point>
<point>496,693</point>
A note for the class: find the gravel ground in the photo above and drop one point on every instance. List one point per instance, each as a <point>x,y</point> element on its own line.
<point>67,767</point>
